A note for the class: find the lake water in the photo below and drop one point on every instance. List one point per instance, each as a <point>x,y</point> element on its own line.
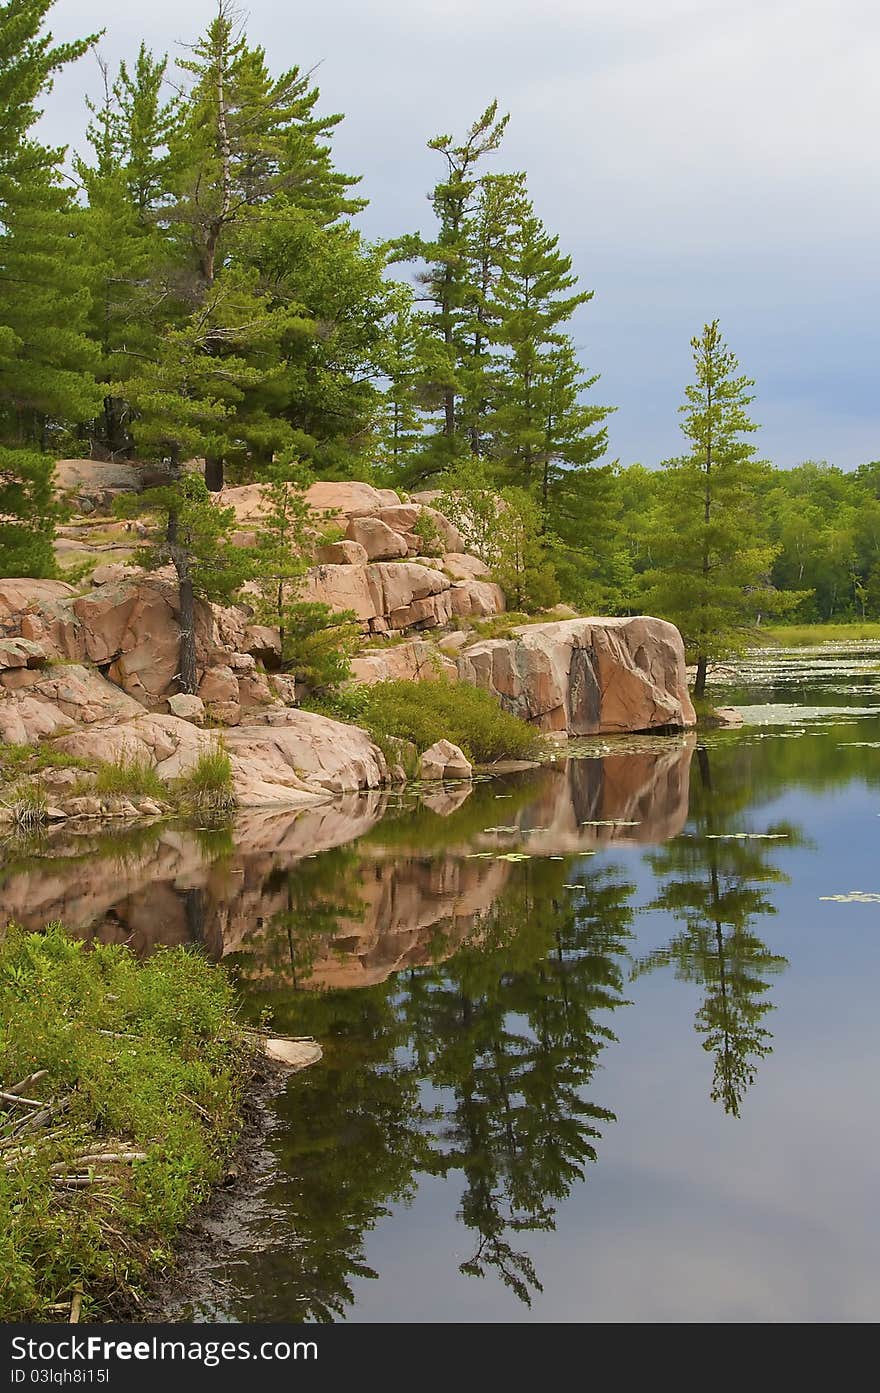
<point>600,1040</point>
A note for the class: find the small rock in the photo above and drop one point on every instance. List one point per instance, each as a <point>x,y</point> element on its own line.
<point>56,815</point>
<point>293,1054</point>
<point>187,707</point>
<point>451,643</point>
<point>226,713</point>
<point>242,662</point>
<point>444,761</point>
<point>149,808</point>
<point>723,716</point>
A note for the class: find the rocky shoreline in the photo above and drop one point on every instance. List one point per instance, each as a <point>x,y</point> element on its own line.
<point>90,676</point>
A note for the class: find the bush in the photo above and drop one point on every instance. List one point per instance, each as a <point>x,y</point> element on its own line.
<point>425,712</point>
<point>207,787</point>
<point>146,1067</point>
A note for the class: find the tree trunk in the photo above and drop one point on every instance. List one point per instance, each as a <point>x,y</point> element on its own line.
<point>449,412</point>
<point>214,472</point>
<point>700,684</point>
<point>187,675</point>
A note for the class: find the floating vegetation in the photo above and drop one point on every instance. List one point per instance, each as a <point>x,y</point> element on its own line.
<point>609,822</point>
<point>854,897</point>
<point>745,836</point>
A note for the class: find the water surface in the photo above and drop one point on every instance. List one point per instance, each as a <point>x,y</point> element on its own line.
<point>600,1040</point>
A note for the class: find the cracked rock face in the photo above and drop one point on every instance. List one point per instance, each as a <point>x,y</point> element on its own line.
<point>587,676</point>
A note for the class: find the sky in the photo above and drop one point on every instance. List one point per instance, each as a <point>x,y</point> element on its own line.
<point>698,160</point>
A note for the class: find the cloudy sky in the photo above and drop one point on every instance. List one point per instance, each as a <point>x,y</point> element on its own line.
<point>698,158</point>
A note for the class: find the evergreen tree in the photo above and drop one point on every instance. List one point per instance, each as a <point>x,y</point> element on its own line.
<point>46,386</point>
<point>538,421</point>
<point>253,184</point>
<point>448,284</point>
<point>711,559</point>
<point>126,183</point>
<point>28,514</point>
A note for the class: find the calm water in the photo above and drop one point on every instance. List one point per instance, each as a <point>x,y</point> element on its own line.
<point>600,1040</point>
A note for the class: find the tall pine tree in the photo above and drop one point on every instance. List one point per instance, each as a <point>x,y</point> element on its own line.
<point>711,562</point>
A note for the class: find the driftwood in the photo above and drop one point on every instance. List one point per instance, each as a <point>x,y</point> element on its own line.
<point>26,1083</point>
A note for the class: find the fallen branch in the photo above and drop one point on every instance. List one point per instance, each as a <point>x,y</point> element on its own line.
<point>96,1158</point>
<point>22,1102</point>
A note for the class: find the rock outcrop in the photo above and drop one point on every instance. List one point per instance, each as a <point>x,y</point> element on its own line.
<point>586,676</point>
<point>378,570</point>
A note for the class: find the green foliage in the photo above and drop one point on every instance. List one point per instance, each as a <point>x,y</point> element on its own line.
<point>502,528</point>
<point>149,1060</point>
<point>193,532</point>
<point>28,514</point>
<point>425,712</point>
<point>316,641</point>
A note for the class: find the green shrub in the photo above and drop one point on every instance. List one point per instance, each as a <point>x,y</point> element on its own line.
<point>425,712</point>
<point>208,787</point>
<point>140,1060</point>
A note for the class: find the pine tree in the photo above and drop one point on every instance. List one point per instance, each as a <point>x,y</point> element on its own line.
<point>253,174</point>
<point>500,204</point>
<point>126,183</point>
<point>412,361</point>
<point>28,514</point>
<point>45,361</point>
<point>711,558</point>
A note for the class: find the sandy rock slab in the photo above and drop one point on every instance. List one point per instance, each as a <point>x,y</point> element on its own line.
<point>298,759</point>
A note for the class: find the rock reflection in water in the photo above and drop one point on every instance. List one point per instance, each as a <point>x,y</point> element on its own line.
<point>346,894</point>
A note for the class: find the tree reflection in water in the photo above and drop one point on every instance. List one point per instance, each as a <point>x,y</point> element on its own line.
<point>476,1068</point>
<point>713,881</point>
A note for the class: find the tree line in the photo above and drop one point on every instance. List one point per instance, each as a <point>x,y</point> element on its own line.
<point>193,284</point>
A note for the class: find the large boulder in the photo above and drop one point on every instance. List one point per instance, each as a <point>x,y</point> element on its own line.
<point>587,676</point>
<point>94,484</point>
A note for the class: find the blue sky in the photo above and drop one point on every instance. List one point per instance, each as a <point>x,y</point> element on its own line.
<point>698,159</point>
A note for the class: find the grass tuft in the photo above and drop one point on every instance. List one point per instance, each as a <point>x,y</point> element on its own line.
<point>208,786</point>
<point>127,778</point>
